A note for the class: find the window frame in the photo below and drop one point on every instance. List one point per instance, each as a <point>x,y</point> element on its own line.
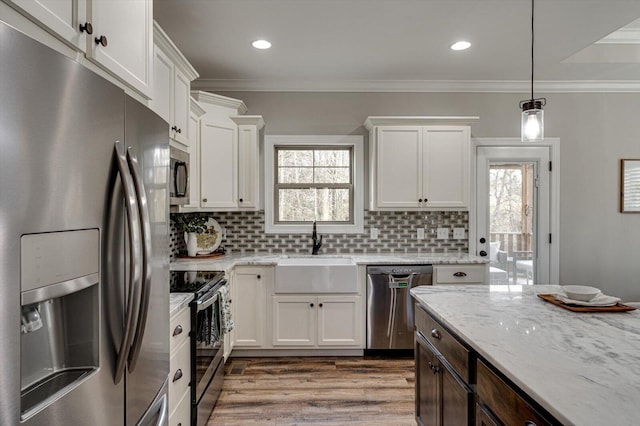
<point>353,142</point>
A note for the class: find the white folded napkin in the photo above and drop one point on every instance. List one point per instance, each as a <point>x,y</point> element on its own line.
<point>599,300</point>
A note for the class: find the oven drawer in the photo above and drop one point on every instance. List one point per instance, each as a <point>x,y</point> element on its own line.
<point>179,373</point>
<point>179,328</point>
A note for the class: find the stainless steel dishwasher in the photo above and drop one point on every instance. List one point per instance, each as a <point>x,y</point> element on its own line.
<point>389,304</point>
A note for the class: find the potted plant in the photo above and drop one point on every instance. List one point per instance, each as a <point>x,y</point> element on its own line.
<point>191,224</point>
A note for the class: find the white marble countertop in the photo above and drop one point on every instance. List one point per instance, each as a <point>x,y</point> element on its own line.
<point>228,262</point>
<point>584,368</point>
<point>177,301</point>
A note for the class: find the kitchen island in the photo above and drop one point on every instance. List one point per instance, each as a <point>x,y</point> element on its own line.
<point>581,368</point>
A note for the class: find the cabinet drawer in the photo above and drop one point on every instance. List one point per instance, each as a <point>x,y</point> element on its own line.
<point>451,349</point>
<point>179,373</point>
<point>181,414</point>
<point>503,401</point>
<point>459,274</point>
<point>179,328</point>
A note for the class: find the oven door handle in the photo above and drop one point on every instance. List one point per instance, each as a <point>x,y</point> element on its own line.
<point>201,305</point>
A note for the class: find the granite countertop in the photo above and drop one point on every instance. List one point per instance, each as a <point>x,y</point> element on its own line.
<point>583,368</point>
<point>228,262</point>
<point>177,301</point>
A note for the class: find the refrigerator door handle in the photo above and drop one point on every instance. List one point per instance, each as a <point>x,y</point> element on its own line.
<point>133,222</point>
<point>143,210</point>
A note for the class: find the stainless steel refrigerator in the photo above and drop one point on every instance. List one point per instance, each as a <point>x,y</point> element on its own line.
<point>84,260</point>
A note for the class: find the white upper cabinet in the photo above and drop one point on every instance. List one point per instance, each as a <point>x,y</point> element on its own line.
<point>218,164</point>
<point>172,79</point>
<point>249,172</point>
<point>122,40</point>
<point>116,35</point>
<point>229,155</point>
<point>419,162</point>
<point>194,167</point>
<point>63,17</point>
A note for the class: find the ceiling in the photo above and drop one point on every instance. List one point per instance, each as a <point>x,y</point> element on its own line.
<point>403,45</point>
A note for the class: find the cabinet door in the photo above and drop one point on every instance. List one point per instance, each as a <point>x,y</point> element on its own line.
<point>248,171</point>
<point>294,320</point>
<point>445,178</point>
<point>218,165</point>
<point>250,307</point>
<point>162,84</point>
<point>127,26</point>
<point>398,171</point>
<point>427,385</point>
<point>194,164</point>
<point>484,417</point>
<point>62,17</point>
<point>457,398</point>
<point>181,85</point>
<point>339,321</point>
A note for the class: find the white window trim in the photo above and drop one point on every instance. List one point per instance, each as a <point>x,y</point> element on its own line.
<point>354,141</point>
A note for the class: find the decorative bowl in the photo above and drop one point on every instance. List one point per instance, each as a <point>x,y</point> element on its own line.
<point>582,293</point>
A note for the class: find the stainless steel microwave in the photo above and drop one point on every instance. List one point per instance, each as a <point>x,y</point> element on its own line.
<point>179,189</point>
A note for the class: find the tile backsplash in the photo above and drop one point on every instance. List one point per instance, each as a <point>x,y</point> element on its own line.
<point>397,234</point>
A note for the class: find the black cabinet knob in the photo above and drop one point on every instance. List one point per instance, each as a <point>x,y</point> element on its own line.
<point>311,304</point>
<point>320,304</point>
<point>420,200</point>
<point>483,240</point>
<point>174,128</point>
<point>102,40</point>
<point>178,375</point>
<point>179,130</point>
<point>258,276</point>
<point>483,253</point>
<point>241,200</point>
<point>86,27</point>
<point>460,274</point>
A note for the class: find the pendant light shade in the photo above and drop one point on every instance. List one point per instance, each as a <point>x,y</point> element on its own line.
<point>532,121</point>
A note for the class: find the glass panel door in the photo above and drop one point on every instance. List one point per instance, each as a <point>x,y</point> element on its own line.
<point>513,213</point>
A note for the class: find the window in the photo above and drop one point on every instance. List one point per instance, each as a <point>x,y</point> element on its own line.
<point>313,178</point>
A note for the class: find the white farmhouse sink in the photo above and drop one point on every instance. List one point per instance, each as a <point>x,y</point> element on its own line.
<point>316,275</point>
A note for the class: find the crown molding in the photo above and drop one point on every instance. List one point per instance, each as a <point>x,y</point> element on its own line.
<point>223,101</point>
<point>373,121</point>
<point>196,108</point>
<point>162,40</point>
<point>249,120</point>
<point>434,86</point>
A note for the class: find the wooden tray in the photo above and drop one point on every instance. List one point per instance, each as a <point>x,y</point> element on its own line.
<point>203,256</point>
<point>618,307</point>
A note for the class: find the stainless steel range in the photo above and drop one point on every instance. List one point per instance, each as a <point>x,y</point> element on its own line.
<point>207,343</point>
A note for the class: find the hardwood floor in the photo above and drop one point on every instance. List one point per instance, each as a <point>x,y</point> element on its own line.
<point>317,391</point>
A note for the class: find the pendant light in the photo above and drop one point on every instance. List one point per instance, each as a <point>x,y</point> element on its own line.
<point>532,124</point>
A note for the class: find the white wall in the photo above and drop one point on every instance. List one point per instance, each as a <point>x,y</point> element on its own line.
<point>598,245</point>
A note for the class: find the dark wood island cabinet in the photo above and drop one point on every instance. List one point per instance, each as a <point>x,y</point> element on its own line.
<point>455,386</point>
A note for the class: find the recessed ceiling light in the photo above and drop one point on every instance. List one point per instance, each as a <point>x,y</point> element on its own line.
<point>460,45</point>
<point>261,44</point>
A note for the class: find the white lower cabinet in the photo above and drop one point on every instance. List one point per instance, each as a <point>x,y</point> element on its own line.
<point>180,367</point>
<point>230,337</point>
<point>322,321</point>
<point>250,287</point>
<point>181,416</point>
